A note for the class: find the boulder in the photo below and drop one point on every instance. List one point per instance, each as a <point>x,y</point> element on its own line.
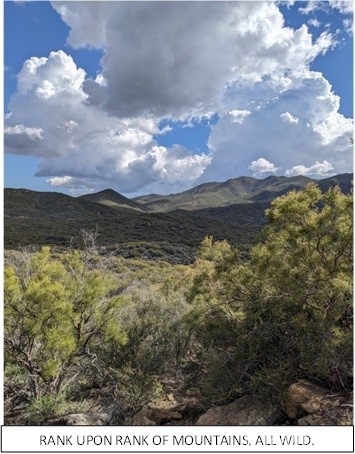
<point>340,415</point>
<point>154,416</point>
<point>141,419</point>
<point>245,411</point>
<point>312,405</point>
<point>303,397</point>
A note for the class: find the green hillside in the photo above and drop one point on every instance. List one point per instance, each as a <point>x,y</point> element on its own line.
<point>173,233</point>
<point>111,198</point>
<point>233,191</point>
<point>49,218</point>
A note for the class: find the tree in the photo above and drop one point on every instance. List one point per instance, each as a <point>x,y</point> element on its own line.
<point>57,311</point>
<point>291,305</point>
<point>301,282</point>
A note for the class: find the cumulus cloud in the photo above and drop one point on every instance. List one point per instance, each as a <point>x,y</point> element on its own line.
<point>318,169</point>
<point>167,61</point>
<point>61,181</point>
<point>80,145</point>
<point>293,121</point>
<point>20,139</point>
<point>235,61</point>
<point>261,166</point>
<point>19,130</point>
<point>289,118</point>
<point>238,116</point>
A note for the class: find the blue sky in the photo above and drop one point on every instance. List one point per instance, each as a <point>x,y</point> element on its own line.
<point>158,98</point>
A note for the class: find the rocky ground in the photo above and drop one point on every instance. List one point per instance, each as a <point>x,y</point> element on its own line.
<point>305,404</point>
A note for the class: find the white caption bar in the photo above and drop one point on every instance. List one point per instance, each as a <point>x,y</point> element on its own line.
<point>167,439</point>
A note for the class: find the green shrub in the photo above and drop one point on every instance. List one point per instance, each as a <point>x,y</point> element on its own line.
<point>290,306</point>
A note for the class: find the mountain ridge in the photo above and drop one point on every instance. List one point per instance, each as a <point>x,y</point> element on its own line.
<point>35,218</point>
<point>235,190</point>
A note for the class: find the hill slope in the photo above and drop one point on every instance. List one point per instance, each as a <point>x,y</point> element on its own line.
<point>237,190</point>
<point>39,218</point>
<point>111,198</point>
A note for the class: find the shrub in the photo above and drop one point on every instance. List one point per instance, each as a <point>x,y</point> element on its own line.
<point>290,306</point>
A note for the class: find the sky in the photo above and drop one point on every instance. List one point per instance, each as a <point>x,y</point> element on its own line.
<point>146,97</point>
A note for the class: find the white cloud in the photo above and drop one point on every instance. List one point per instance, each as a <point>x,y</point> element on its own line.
<point>156,62</point>
<point>233,60</point>
<point>311,6</point>
<point>314,23</point>
<point>349,26</point>
<point>47,77</point>
<point>343,6</point>
<point>61,181</point>
<point>19,130</point>
<point>80,145</point>
<point>314,131</point>
<point>20,139</point>
<point>288,118</point>
<point>238,116</point>
<point>318,169</point>
<point>287,3</point>
<point>261,166</point>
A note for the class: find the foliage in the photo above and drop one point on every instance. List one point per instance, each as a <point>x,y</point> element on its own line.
<point>57,311</point>
<point>81,326</point>
<point>158,339</point>
<point>290,306</point>
<point>48,407</point>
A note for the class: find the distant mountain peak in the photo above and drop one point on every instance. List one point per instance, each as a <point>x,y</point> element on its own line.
<point>109,191</point>
<point>110,197</point>
<point>244,189</point>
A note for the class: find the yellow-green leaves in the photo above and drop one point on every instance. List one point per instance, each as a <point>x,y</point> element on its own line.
<point>290,306</point>
<point>56,314</point>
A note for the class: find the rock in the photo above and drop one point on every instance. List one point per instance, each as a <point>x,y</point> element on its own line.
<point>194,392</point>
<point>141,419</point>
<point>312,405</point>
<point>81,419</point>
<point>154,416</point>
<point>338,415</point>
<point>245,411</point>
<point>190,407</point>
<point>303,397</point>
<point>163,415</point>
<point>315,420</point>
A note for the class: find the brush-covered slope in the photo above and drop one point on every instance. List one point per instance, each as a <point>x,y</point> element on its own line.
<point>111,198</point>
<point>235,191</point>
<point>41,218</point>
<point>344,181</point>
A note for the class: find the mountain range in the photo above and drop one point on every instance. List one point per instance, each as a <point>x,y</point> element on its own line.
<point>153,226</point>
